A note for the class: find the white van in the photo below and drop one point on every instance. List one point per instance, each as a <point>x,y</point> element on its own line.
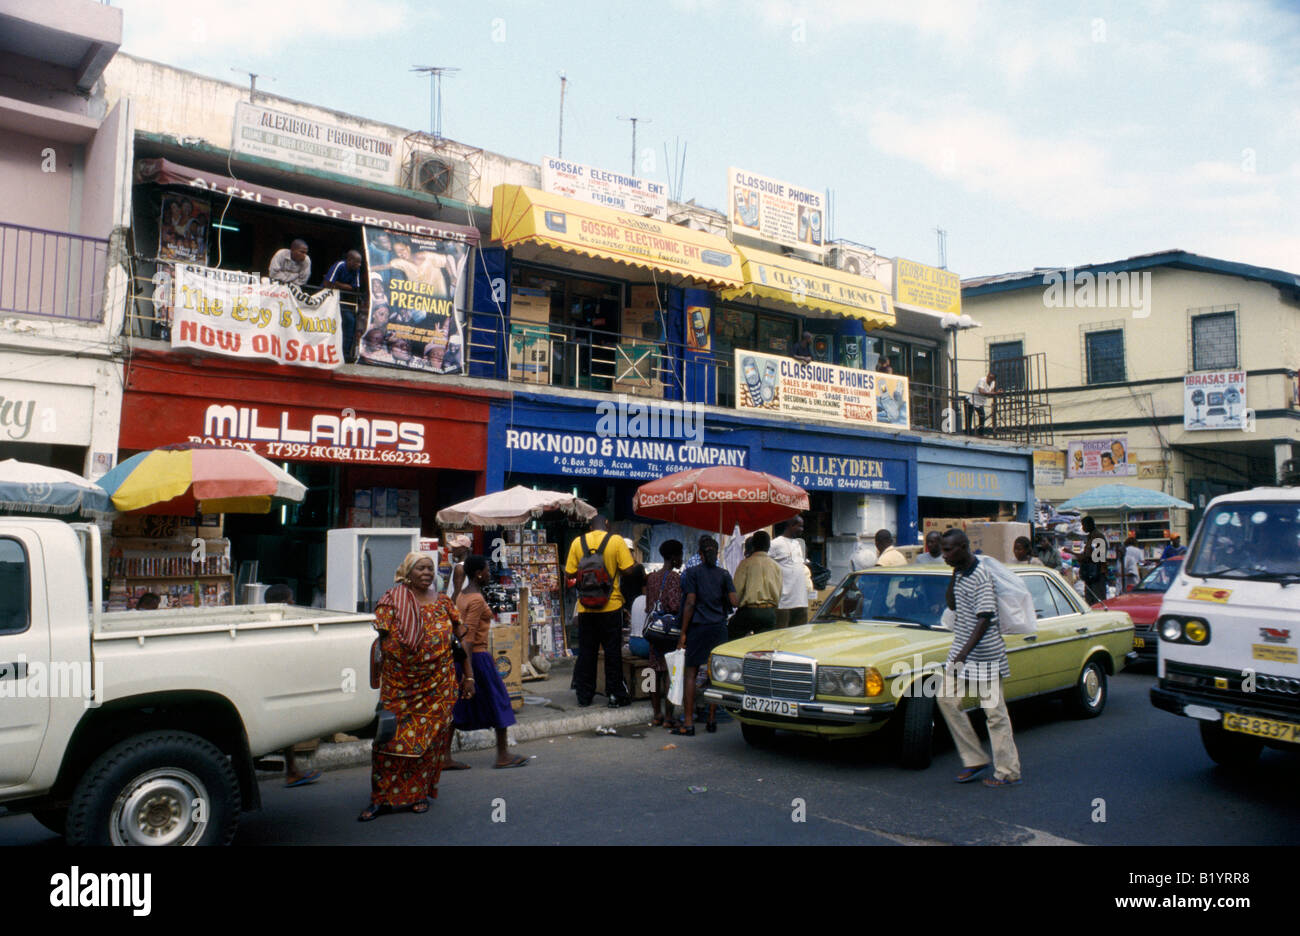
<point>1230,627</point>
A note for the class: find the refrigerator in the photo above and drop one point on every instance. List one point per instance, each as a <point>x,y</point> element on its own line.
<point>360,564</point>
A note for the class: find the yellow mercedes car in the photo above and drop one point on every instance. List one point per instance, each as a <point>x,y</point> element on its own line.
<point>873,657</point>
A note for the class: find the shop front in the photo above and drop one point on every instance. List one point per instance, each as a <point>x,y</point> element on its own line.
<point>60,411</point>
<point>965,482</point>
<point>372,453</point>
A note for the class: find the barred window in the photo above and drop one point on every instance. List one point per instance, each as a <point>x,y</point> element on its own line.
<point>1007,362</point>
<point>1214,341</point>
<point>1105,354</point>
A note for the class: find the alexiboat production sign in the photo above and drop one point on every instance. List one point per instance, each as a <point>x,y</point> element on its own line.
<point>776,211</point>
<point>603,187</point>
<point>1214,400</point>
<point>289,138</point>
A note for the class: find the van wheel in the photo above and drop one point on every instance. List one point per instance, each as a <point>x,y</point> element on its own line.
<point>917,740</point>
<point>53,819</point>
<point>1088,697</point>
<point>159,788</point>
<point>1229,749</point>
<point>757,735</point>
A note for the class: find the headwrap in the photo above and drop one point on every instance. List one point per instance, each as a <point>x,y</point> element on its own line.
<point>401,598</point>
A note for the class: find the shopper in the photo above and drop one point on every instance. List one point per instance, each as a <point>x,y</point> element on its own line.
<point>1093,562</point>
<point>418,685</point>
<point>489,706</point>
<point>458,547</point>
<point>933,551</point>
<point>290,265</point>
<point>978,658</point>
<point>1133,557</point>
<point>788,552</point>
<point>1024,555</point>
<point>708,595</point>
<point>758,586</point>
<point>599,625</point>
<point>663,589</point>
<point>889,555</point>
<point>1172,548</point>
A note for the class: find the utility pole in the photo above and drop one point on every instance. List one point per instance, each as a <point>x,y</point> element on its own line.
<point>559,152</point>
<point>634,123</point>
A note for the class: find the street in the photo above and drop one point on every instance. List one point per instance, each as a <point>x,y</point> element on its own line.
<point>1144,770</point>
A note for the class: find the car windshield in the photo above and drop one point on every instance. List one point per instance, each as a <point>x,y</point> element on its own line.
<point>895,597</point>
<point>1253,539</point>
<point>1161,577</point>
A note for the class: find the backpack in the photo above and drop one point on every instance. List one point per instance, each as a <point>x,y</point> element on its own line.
<point>593,582</point>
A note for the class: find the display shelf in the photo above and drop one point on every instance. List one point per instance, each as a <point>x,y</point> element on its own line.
<point>182,574</point>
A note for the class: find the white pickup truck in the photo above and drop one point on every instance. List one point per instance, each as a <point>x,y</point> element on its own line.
<point>142,727</point>
<point>1230,627</point>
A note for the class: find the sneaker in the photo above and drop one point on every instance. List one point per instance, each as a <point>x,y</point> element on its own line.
<point>619,703</point>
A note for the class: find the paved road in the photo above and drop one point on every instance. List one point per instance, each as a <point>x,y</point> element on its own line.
<point>1148,767</point>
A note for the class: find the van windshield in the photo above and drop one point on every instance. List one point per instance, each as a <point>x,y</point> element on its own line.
<point>1248,540</point>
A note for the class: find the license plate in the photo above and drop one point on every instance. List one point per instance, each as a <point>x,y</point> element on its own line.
<point>763,706</point>
<point>1261,727</point>
<point>1139,643</point>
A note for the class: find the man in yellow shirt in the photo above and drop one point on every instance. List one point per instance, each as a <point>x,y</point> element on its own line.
<point>888,553</point>
<point>758,586</point>
<point>600,626</point>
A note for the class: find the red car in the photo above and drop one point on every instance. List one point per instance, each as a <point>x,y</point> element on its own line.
<point>1142,604</point>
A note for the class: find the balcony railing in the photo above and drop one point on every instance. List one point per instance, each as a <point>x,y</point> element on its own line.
<point>51,274</point>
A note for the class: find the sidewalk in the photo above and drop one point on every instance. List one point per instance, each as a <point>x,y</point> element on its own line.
<point>553,711</point>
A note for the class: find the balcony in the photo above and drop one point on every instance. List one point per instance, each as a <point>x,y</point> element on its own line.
<point>53,275</point>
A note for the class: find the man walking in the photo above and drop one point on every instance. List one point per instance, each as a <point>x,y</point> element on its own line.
<point>1092,564</point>
<point>787,552</point>
<point>758,585</point>
<point>708,594</point>
<point>888,553</point>
<point>978,657</point>
<point>933,552</point>
<point>602,625</point>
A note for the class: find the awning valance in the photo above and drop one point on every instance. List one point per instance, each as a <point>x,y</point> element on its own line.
<point>810,286</point>
<point>166,172</point>
<point>521,215</point>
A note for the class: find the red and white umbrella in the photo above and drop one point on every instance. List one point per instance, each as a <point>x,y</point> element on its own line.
<point>720,498</point>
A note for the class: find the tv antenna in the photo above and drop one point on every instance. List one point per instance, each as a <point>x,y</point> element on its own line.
<point>559,152</point>
<point>252,81</point>
<point>943,247</point>
<point>634,121</point>
<point>435,73</point>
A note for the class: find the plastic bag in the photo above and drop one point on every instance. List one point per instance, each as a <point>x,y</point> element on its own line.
<point>1015,605</point>
<point>676,672</point>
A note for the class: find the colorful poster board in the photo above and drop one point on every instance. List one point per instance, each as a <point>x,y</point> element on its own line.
<point>1214,400</point>
<point>183,227</point>
<point>779,384</point>
<point>1099,458</point>
<point>776,211</point>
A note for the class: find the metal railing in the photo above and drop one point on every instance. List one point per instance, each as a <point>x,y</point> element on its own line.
<point>52,274</point>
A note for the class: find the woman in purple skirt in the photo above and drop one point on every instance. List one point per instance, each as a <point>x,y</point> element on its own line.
<point>490,705</point>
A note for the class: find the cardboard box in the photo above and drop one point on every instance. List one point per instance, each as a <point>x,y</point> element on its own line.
<point>636,676</point>
<point>530,305</point>
<point>508,654</point>
<point>530,354</point>
<point>945,523</point>
<point>996,539</point>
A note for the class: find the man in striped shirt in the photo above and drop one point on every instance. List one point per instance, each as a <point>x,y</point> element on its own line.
<point>978,661</point>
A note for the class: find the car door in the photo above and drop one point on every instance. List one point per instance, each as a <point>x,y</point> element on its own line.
<point>1029,653</point>
<point>24,657</point>
<point>1059,636</point>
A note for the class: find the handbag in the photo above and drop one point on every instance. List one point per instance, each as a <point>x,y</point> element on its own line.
<point>663,629</point>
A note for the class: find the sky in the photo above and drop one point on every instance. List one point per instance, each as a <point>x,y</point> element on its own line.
<point>1034,134</point>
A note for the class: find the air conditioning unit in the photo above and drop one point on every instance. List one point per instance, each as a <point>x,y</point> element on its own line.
<point>855,259</point>
<point>442,176</point>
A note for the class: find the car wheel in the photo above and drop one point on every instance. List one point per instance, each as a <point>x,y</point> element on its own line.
<point>757,735</point>
<point>917,738</point>
<point>1229,749</point>
<point>53,819</point>
<point>159,788</point>
<point>1088,697</point>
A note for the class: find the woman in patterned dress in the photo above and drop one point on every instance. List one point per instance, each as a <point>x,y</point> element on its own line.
<point>664,587</point>
<point>419,686</point>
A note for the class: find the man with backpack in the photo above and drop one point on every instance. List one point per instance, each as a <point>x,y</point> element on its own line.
<point>597,558</point>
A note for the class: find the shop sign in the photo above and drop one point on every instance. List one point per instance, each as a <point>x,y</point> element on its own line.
<point>939,480</point>
<point>416,317</point>
<point>305,435</point>
<point>1215,400</point>
<point>846,473</point>
<point>1049,468</point>
<point>926,287</point>
<point>602,187</point>
<point>777,384</point>
<point>45,414</point>
<point>578,454</point>
<point>1099,458</point>
<point>1153,469</point>
<point>313,144</point>
<point>776,211</point>
<point>234,315</point>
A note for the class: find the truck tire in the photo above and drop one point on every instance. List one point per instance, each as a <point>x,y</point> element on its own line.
<point>55,820</point>
<point>1229,749</point>
<point>157,788</point>
<point>1087,698</point>
<point>917,732</point>
<point>757,735</point>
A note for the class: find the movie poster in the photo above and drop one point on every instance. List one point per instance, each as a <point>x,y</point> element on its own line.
<point>417,301</point>
<point>1099,458</point>
<point>183,228</point>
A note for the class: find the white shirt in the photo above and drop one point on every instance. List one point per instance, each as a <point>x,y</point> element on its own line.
<point>636,617</point>
<point>1132,559</point>
<point>985,386</point>
<point>864,557</point>
<point>789,555</point>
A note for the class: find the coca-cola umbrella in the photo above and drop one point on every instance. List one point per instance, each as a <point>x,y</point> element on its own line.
<point>719,499</point>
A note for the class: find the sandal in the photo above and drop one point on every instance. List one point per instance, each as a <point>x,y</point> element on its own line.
<point>971,773</point>
<point>658,722</point>
<point>1002,781</point>
<point>517,762</point>
<point>685,731</point>
<point>373,812</point>
<point>421,807</point>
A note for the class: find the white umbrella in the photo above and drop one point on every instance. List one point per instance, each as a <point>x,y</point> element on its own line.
<point>29,488</point>
<point>513,508</point>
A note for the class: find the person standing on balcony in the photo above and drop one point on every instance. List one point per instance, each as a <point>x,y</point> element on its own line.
<point>290,265</point>
<point>985,390</point>
<point>345,274</point>
<point>788,552</point>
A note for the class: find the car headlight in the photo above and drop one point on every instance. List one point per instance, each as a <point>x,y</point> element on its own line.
<point>725,669</point>
<point>1198,632</point>
<point>844,680</point>
<point>1171,629</point>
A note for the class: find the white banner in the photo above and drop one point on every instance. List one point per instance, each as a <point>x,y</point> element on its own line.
<point>235,315</point>
<point>602,187</point>
<point>331,147</point>
<point>1216,400</point>
<point>776,211</point>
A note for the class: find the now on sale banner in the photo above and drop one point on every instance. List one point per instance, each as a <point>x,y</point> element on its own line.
<point>238,315</point>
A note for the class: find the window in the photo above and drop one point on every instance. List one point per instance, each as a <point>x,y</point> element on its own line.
<point>1063,602</point>
<point>1214,341</point>
<point>1007,362</point>
<point>1044,605</point>
<point>1104,353</point>
<point>13,588</point>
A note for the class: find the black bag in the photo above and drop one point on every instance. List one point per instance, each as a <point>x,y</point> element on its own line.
<point>593,582</point>
<point>663,629</point>
<point>820,574</point>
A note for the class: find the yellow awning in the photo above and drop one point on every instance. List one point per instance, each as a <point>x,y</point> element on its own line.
<point>522,214</point>
<point>810,286</point>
